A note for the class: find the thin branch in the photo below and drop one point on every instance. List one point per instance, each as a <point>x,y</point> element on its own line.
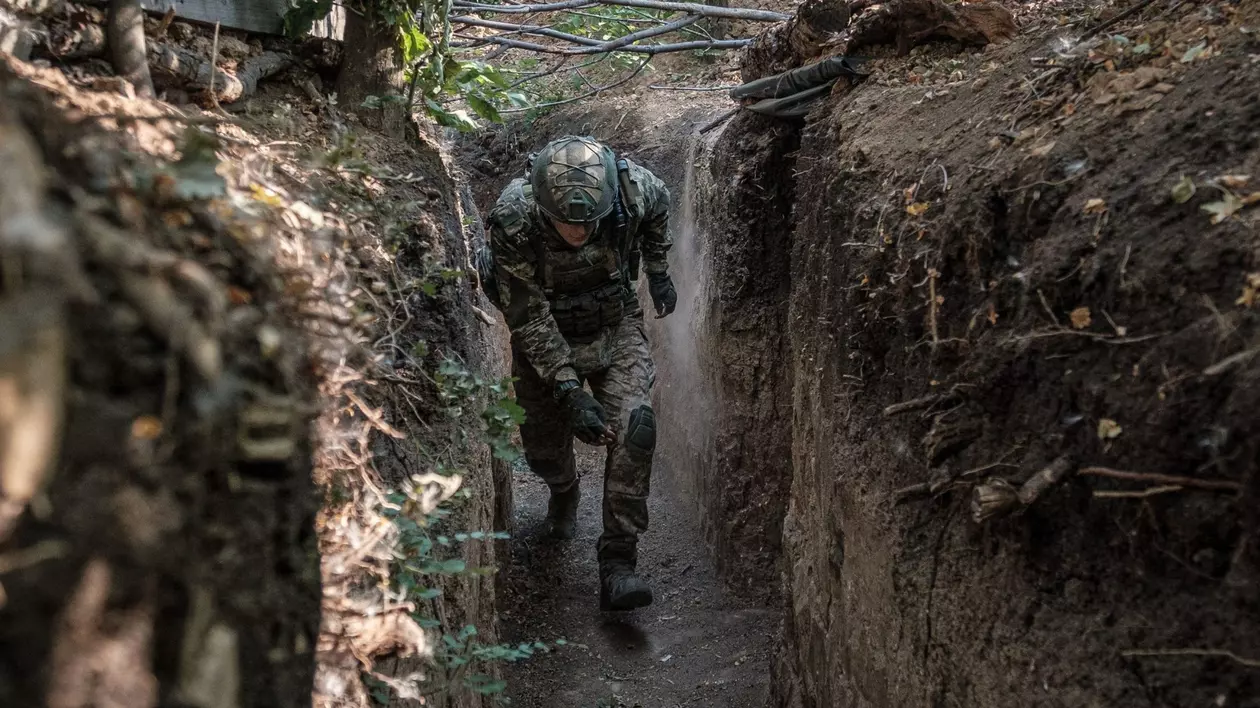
<point>1223,653</point>
<point>1217,485</point>
<point>649,49</point>
<point>688,7</point>
<point>1117,19</point>
<point>654,87</point>
<point>644,34</point>
<point>588,94</point>
<point>536,30</point>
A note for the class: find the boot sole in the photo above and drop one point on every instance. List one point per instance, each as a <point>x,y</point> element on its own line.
<point>630,601</point>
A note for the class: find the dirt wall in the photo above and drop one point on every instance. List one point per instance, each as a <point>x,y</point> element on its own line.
<point>1011,270</point>
<point>721,355</point>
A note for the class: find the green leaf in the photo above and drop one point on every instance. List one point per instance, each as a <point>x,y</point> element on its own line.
<point>484,108</point>
<point>1183,190</point>
<point>196,174</point>
<point>429,594</point>
<point>485,685</point>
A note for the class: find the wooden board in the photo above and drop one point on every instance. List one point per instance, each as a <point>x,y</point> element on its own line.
<point>250,15</point>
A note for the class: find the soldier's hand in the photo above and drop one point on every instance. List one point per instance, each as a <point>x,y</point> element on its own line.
<point>589,418</point>
<point>664,297</point>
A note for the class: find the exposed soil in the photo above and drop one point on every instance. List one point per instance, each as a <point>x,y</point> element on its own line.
<point>694,646</point>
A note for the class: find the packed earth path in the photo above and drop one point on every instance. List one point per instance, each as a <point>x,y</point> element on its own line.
<point>695,645</point>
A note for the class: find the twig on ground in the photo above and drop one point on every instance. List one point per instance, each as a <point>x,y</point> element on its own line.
<point>1216,485</point>
<point>913,404</point>
<point>1117,19</point>
<point>1046,305</point>
<point>1231,361</point>
<point>656,87</point>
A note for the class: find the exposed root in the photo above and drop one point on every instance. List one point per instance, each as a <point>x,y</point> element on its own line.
<point>1215,485</point>
<point>1222,653</point>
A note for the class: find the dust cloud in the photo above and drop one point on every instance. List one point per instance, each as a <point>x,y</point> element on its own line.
<point>686,397</point>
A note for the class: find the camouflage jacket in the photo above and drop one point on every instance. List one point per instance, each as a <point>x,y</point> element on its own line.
<point>552,294</point>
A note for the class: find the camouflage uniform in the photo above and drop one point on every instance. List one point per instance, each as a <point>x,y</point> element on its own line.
<point>573,314</point>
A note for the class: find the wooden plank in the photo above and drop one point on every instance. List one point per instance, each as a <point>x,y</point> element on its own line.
<point>250,15</point>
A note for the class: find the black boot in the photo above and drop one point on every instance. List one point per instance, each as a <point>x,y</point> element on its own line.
<point>562,511</point>
<point>620,590</point>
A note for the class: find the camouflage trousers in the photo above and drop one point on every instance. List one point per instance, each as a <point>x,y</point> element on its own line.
<point>618,367</point>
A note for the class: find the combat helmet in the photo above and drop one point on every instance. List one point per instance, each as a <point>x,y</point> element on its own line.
<point>574,179</point>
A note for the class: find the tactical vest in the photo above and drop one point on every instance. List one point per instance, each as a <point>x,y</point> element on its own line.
<point>591,287</point>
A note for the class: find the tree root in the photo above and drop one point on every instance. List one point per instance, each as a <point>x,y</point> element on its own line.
<point>996,497</point>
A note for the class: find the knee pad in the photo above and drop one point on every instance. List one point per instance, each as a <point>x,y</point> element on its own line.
<point>641,433</point>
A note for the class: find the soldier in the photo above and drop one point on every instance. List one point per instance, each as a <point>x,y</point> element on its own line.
<point>565,248</point>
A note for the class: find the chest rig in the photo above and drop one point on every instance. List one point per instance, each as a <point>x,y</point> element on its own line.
<point>590,288</point>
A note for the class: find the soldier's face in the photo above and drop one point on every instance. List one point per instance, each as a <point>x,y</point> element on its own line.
<point>573,234</point>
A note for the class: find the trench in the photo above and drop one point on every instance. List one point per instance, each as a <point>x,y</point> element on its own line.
<point>706,639</point>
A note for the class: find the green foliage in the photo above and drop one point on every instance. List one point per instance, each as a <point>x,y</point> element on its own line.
<point>499,416</point>
<point>433,76</point>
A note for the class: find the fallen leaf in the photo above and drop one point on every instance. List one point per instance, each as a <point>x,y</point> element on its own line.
<point>269,339</point>
<point>146,427</point>
<point>1183,190</point>
<point>1234,181</point>
<point>239,296</point>
<point>1042,150</point>
<point>1080,317</point>
<point>1225,208</point>
<point>1198,51</point>
<point>1250,199</point>
<point>1095,206</point>
<point>1251,291</point>
<point>1108,429</point>
<point>1164,88</point>
<point>908,193</point>
<point>266,196</point>
<point>917,208</point>
<point>993,315</point>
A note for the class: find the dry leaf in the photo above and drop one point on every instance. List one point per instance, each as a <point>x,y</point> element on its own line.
<point>1183,190</point>
<point>1233,181</point>
<point>1095,206</point>
<point>1251,291</point>
<point>908,193</point>
<point>1253,198</point>
<point>1108,429</point>
<point>993,315</point>
<point>266,196</point>
<point>917,208</point>
<point>239,296</point>
<point>1042,150</point>
<point>146,427</point>
<point>1225,208</point>
<point>1080,317</point>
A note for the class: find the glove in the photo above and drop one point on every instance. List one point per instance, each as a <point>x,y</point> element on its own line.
<point>664,297</point>
<point>587,416</point>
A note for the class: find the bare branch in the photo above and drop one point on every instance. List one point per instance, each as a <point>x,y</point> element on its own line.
<point>650,49</point>
<point>644,34</point>
<point>536,30</point>
<point>588,94</point>
<point>656,87</point>
<point>688,7</point>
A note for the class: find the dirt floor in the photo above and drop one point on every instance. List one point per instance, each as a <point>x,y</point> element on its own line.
<point>694,646</point>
